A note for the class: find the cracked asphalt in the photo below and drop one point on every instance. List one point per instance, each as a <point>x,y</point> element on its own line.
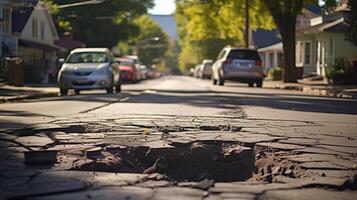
<point>180,138</point>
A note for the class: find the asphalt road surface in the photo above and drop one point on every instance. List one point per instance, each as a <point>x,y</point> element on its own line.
<point>178,95</point>
<point>206,139</point>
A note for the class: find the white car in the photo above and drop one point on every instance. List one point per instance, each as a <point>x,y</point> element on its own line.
<point>87,69</point>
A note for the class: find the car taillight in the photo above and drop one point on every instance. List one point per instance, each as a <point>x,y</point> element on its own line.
<point>258,62</point>
<point>228,61</point>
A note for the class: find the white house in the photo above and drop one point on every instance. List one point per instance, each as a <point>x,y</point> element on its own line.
<point>36,32</point>
<point>323,43</point>
<point>272,55</point>
<point>8,43</point>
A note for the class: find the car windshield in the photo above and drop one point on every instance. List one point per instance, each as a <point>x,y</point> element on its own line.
<point>126,62</point>
<point>243,54</point>
<point>88,57</point>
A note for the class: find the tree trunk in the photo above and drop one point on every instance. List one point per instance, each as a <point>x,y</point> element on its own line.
<point>288,38</point>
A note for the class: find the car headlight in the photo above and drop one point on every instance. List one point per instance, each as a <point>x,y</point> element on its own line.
<point>65,72</point>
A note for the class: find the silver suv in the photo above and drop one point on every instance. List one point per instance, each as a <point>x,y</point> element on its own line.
<point>87,69</point>
<point>242,65</point>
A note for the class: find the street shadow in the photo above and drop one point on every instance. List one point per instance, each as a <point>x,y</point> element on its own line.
<point>294,102</point>
<point>9,92</point>
<point>20,113</point>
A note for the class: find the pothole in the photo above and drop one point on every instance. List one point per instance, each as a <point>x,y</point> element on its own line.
<point>220,161</point>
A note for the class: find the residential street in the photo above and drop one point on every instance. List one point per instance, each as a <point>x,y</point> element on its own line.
<point>181,138</point>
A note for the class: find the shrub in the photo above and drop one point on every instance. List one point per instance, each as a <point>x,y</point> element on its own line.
<point>338,72</point>
<point>275,73</point>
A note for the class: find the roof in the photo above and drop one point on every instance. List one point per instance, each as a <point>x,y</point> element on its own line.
<point>36,45</point>
<point>274,47</point>
<point>21,15</point>
<point>314,9</point>
<point>90,50</point>
<point>263,38</point>
<point>336,26</point>
<point>69,43</point>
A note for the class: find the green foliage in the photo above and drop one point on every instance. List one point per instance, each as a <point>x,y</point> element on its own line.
<point>275,73</point>
<point>206,26</point>
<point>150,51</point>
<point>339,71</point>
<point>100,24</point>
<point>351,34</point>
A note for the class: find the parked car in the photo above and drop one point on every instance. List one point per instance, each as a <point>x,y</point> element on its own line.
<point>87,69</point>
<point>196,71</point>
<point>136,63</point>
<point>127,69</point>
<point>206,69</point>
<point>242,65</point>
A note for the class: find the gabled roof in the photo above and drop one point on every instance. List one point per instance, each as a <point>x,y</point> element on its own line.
<point>314,9</point>
<point>337,25</point>
<point>263,38</point>
<point>21,15</point>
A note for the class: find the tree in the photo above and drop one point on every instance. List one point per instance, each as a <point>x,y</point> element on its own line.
<point>150,51</point>
<point>351,34</point>
<point>285,13</point>
<point>206,26</point>
<point>101,24</point>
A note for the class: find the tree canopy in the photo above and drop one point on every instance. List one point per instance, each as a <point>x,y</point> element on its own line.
<point>101,24</point>
<point>351,35</point>
<point>206,26</point>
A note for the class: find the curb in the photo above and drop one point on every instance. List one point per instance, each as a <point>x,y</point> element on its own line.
<point>326,92</point>
<point>29,96</point>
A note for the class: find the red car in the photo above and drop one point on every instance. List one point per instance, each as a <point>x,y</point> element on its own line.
<point>128,71</point>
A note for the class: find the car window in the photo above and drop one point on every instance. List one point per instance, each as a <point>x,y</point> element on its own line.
<point>126,62</point>
<point>88,57</point>
<point>243,54</point>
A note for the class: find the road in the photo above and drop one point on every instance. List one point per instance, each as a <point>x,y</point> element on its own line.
<point>177,95</point>
<point>294,141</point>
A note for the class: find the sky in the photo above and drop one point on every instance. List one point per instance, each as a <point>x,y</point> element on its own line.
<point>166,7</point>
<point>163,7</point>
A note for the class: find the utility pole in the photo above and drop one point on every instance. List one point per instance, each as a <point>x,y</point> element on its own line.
<point>247,25</point>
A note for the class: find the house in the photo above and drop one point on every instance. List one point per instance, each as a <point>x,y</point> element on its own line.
<point>35,31</point>
<point>8,43</point>
<point>272,54</point>
<point>320,45</point>
<point>268,44</point>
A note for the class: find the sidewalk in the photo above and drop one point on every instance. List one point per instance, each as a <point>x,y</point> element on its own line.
<point>14,93</point>
<point>319,88</point>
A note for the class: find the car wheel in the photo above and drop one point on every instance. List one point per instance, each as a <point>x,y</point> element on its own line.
<point>63,91</point>
<point>118,87</point>
<point>220,80</point>
<point>109,90</point>
<point>251,84</point>
<point>77,92</point>
<point>214,81</point>
<point>259,83</point>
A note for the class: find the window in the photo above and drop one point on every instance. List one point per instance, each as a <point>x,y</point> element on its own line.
<point>271,60</point>
<point>34,28</point>
<point>1,13</point>
<point>43,28</point>
<point>307,53</point>
<point>243,54</point>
